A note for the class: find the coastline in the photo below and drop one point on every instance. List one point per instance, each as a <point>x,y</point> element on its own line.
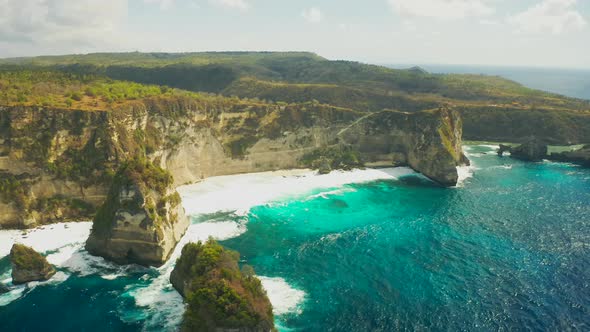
<point>208,203</point>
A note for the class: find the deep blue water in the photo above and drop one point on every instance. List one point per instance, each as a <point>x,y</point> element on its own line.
<point>510,250</point>
<point>569,82</point>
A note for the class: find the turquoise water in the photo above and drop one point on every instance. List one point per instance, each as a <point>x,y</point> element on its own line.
<point>509,250</point>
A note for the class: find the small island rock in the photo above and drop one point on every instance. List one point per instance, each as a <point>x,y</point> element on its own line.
<point>28,265</point>
<point>531,150</point>
<point>220,297</point>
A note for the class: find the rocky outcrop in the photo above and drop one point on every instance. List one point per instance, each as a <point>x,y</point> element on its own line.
<point>208,277</point>
<point>28,265</point>
<point>580,156</point>
<point>531,150</point>
<point>428,141</point>
<point>142,219</point>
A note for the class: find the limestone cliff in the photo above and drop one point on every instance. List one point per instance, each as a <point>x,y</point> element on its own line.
<point>208,277</point>
<point>58,165</point>
<point>28,265</point>
<point>428,141</point>
<point>142,219</point>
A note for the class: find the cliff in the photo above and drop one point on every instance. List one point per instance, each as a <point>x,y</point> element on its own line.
<point>28,265</point>
<point>220,296</point>
<point>428,141</point>
<point>141,220</point>
<point>58,164</point>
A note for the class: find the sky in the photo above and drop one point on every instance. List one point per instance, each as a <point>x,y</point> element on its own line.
<point>537,33</point>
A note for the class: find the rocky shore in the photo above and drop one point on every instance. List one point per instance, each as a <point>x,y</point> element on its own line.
<point>536,150</point>
<point>28,265</point>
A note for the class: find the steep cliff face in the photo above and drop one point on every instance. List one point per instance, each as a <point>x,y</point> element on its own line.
<point>142,219</point>
<point>428,141</point>
<point>58,165</point>
<point>51,165</point>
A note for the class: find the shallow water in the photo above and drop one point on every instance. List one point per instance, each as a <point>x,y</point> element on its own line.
<point>508,249</point>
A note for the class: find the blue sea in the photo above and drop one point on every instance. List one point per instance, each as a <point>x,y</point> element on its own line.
<point>368,250</point>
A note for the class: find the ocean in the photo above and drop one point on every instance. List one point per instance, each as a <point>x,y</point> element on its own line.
<point>568,82</point>
<point>367,250</point>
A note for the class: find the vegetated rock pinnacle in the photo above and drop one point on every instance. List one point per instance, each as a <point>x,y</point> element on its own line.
<point>142,218</point>
<point>28,265</point>
<point>220,296</point>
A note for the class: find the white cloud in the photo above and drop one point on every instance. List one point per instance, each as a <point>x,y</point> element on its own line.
<point>313,15</point>
<point>232,4</point>
<point>164,4</point>
<point>554,16</point>
<point>50,21</point>
<point>489,22</point>
<point>442,9</point>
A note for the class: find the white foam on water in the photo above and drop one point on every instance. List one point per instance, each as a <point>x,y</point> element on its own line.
<point>241,192</point>
<point>501,167</point>
<point>491,146</point>
<point>45,238</point>
<point>17,291</point>
<point>159,298</point>
<point>464,173</point>
<point>284,298</point>
<point>11,296</point>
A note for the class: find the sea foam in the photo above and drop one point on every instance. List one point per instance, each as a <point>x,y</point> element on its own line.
<point>284,298</point>
<point>46,238</point>
<point>241,192</point>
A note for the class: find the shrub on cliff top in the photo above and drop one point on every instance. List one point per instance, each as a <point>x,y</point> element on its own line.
<point>218,294</point>
<point>142,173</point>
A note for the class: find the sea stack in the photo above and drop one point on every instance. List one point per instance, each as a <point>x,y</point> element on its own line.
<point>220,296</point>
<point>28,265</point>
<point>142,218</point>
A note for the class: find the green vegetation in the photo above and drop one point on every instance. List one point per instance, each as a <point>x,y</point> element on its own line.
<point>218,294</point>
<point>43,87</point>
<point>26,258</point>
<point>104,81</point>
<point>147,177</point>
<point>337,157</point>
<point>14,188</point>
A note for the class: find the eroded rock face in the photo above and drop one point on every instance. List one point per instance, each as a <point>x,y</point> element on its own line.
<point>532,150</point>
<point>580,157</point>
<point>429,142</point>
<point>28,265</point>
<point>142,219</point>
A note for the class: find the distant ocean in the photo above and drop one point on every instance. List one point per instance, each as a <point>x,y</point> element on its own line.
<point>569,82</point>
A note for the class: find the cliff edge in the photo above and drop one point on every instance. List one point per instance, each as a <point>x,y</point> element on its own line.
<point>429,141</point>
